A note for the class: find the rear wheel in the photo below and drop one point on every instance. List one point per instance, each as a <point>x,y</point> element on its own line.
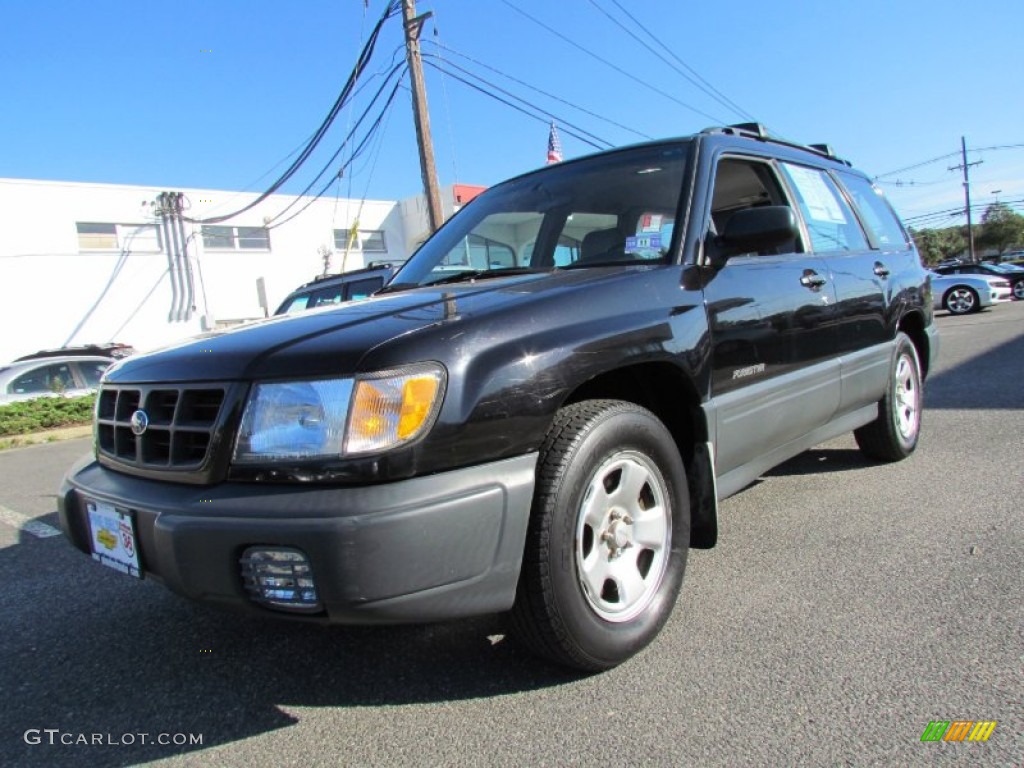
<point>962,300</point>
<point>893,435</point>
<point>608,537</point>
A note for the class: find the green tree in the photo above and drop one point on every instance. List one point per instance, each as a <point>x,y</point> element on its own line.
<point>937,245</point>
<point>1001,227</point>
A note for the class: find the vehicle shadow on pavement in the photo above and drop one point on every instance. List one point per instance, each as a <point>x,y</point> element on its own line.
<point>101,653</point>
<point>818,460</point>
<point>978,382</point>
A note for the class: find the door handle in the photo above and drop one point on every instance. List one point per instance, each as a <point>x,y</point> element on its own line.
<point>812,280</point>
<point>881,270</point>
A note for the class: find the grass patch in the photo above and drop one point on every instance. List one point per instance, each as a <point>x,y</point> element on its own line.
<point>42,413</point>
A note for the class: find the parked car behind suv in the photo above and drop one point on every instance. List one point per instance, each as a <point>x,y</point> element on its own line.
<point>541,411</point>
<point>67,375</point>
<point>1012,274</point>
<point>334,289</point>
<point>964,294</point>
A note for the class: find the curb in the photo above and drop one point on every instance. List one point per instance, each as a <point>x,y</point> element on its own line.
<point>45,436</point>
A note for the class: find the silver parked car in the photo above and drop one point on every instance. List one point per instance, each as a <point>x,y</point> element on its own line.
<point>963,294</point>
<point>69,376</point>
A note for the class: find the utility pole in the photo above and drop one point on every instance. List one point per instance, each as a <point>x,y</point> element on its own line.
<point>413,27</point>
<point>967,196</point>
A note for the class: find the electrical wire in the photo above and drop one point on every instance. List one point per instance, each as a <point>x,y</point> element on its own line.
<point>620,70</point>
<point>949,213</point>
<point>447,106</point>
<point>363,60</point>
<point>548,115</point>
<point>542,92</point>
<point>358,151</point>
<point>696,80</point>
<point>330,161</point>
<point>526,112</point>
<point>348,128</point>
<point>947,157</point>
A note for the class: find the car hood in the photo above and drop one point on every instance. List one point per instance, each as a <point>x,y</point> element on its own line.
<point>334,341</point>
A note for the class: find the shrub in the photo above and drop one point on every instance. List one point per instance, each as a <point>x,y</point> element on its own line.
<point>45,413</point>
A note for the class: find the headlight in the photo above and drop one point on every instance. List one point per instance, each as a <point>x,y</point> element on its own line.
<point>338,417</point>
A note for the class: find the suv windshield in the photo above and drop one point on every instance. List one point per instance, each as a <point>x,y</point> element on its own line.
<point>614,209</point>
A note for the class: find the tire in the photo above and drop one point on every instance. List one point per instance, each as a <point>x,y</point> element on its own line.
<point>893,435</point>
<point>1018,290</point>
<point>961,300</point>
<point>608,537</point>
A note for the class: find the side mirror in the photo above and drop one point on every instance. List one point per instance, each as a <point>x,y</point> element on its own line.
<point>758,229</point>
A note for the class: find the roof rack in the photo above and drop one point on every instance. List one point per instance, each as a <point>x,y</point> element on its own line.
<point>760,132</point>
<point>753,130</point>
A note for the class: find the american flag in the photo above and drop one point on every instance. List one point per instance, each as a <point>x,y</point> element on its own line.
<point>554,146</point>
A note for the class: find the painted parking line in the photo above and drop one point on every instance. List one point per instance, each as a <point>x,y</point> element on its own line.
<point>22,523</point>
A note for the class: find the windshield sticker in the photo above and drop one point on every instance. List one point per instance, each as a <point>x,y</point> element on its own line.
<point>650,222</point>
<point>638,243</point>
<point>819,200</point>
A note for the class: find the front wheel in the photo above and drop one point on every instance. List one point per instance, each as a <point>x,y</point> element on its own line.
<point>608,536</point>
<point>893,435</point>
<point>1018,290</point>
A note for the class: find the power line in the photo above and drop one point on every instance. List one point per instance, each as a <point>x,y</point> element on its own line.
<point>542,92</point>
<point>346,93</point>
<point>951,213</point>
<point>447,105</point>
<point>548,115</point>
<point>695,80</point>
<point>946,157</point>
<point>330,161</point>
<point>543,119</point>
<point>620,70</point>
<point>356,153</point>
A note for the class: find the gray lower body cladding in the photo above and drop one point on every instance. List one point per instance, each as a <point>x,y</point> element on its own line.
<point>424,549</point>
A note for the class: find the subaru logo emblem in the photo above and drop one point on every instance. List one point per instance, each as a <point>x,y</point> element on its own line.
<point>139,422</point>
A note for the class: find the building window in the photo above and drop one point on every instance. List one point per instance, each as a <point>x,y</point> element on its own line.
<point>94,236</point>
<point>236,238</point>
<point>367,240</point>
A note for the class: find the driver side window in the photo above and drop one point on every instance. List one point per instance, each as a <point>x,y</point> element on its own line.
<point>740,184</point>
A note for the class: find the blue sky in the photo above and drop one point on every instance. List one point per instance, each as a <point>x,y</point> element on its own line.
<point>216,93</point>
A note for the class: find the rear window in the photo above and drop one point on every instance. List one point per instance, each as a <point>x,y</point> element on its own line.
<point>876,213</point>
<point>830,222</point>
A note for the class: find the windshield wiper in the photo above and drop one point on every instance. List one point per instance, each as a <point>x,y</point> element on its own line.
<point>480,274</point>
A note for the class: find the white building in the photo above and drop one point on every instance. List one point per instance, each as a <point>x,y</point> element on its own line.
<point>94,263</point>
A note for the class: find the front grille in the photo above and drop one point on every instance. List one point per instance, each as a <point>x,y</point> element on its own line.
<point>179,425</point>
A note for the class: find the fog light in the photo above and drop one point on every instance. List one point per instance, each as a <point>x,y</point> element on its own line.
<point>280,577</point>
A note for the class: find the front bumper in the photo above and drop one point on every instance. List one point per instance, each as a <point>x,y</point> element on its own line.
<point>424,549</point>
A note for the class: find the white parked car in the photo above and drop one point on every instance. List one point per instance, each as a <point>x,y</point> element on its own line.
<point>68,376</point>
<point>963,294</point>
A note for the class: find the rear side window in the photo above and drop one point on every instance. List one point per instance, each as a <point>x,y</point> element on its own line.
<point>830,221</point>
<point>876,212</point>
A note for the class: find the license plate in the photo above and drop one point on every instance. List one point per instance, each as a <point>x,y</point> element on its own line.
<point>112,533</point>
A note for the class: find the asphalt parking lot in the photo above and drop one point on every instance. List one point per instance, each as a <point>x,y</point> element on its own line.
<point>847,606</point>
